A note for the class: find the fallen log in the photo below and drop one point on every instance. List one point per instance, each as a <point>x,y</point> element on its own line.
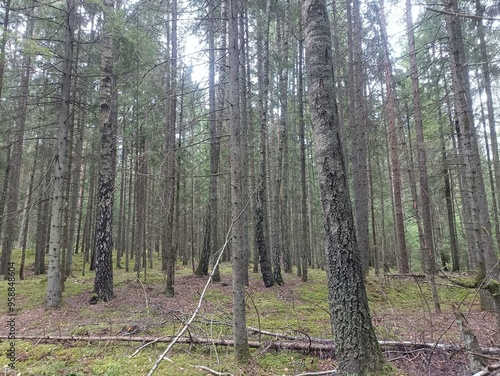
<point>488,370</point>
<point>275,345</point>
<point>313,346</point>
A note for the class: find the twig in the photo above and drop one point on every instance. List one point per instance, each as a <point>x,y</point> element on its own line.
<point>144,346</point>
<point>331,372</point>
<point>145,294</point>
<point>258,315</point>
<point>475,17</point>
<point>212,371</point>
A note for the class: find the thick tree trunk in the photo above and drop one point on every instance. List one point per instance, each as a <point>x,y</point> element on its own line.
<point>357,349</point>
<point>103,283</point>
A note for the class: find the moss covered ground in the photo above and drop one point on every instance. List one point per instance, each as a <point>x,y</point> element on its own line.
<point>401,310</point>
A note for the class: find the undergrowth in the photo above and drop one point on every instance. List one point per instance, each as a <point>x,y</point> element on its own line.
<point>297,309</point>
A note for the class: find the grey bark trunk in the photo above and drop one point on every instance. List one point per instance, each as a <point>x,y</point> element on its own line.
<point>239,259</point>
<point>103,283</point>
<point>402,250</point>
<point>428,239</point>
<point>357,119</point>
<point>54,269</point>
<point>305,250</point>
<point>169,193</point>
<point>357,349</point>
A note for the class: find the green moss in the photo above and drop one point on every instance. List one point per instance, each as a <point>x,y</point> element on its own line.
<point>493,286</point>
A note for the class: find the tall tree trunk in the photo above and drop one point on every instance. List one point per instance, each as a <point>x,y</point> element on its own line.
<point>244,134</point>
<point>240,265</point>
<point>305,250</point>
<point>16,157</point>
<point>450,212</point>
<point>283,40</point>
<point>58,199</point>
<point>402,251</point>
<point>261,196</point>
<point>103,283</point>
<point>28,207</point>
<point>210,233</point>
<point>3,43</point>
<point>489,104</point>
<point>43,219</point>
<point>169,194</point>
<point>357,349</point>
<point>428,246</point>
<point>488,267</point>
<point>357,119</point>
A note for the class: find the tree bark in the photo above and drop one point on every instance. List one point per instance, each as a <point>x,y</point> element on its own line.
<point>357,349</point>
<point>261,195</point>
<point>103,283</point>
<point>54,270</point>
<point>401,247</point>
<point>428,239</point>
<point>472,179</point>
<point>486,70</point>
<point>16,157</point>
<point>239,259</point>
<point>305,251</point>
<point>211,220</point>
<point>357,119</point>
<point>169,172</point>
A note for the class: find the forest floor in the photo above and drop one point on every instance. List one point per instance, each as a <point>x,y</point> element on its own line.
<point>401,310</point>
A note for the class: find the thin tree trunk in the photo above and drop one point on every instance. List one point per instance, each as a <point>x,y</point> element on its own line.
<point>357,119</point>
<point>402,251</point>
<point>239,259</point>
<point>284,211</point>
<point>16,158</point>
<point>28,207</point>
<point>261,196</point>
<point>169,193</point>
<point>305,251</point>
<point>210,234</point>
<point>489,104</point>
<point>428,244</point>
<point>450,213</point>
<point>488,267</point>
